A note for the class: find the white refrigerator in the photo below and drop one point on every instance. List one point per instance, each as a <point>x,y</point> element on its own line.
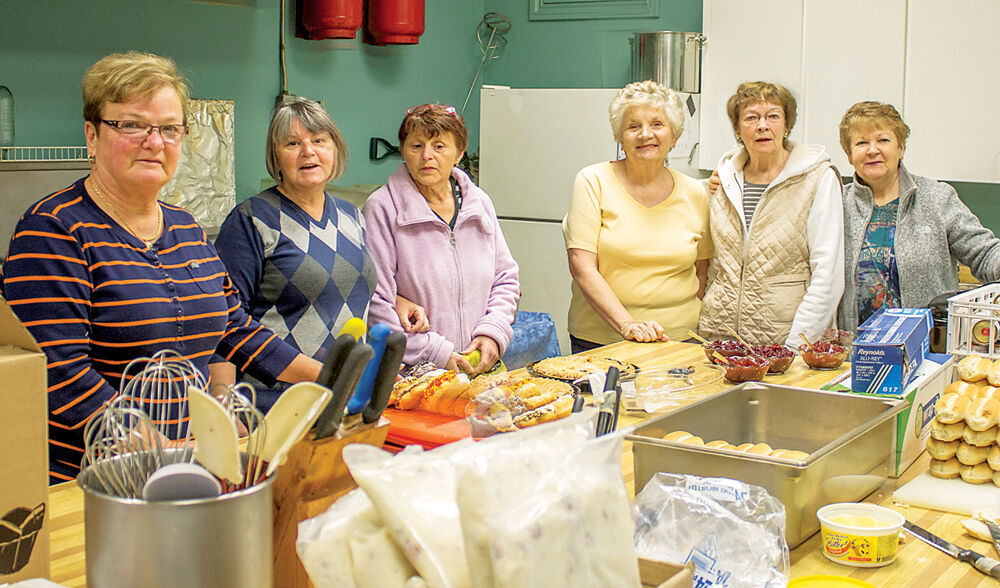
<point>532,143</point>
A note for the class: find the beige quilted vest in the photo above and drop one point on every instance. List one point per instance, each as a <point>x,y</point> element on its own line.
<point>758,286</point>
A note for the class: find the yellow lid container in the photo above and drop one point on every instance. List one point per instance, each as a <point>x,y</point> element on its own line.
<point>859,534</point>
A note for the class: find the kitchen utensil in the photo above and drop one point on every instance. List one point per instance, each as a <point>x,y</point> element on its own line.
<point>122,449</point>
<point>240,402</point>
<point>698,338</point>
<point>334,359</point>
<point>355,327</point>
<point>578,403</point>
<point>288,421</point>
<point>605,416</point>
<point>994,532</point>
<point>346,382</point>
<point>806,341</point>
<point>374,143</point>
<point>395,346</point>
<point>736,335</point>
<point>986,565</point>
<point>181,481</point>
<point>363,393</point>
<point>672,58</point>
<point>217,441</point>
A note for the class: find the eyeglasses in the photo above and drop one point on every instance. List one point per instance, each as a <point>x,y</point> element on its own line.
<point>448,109</point>
<point>172,133</point>
<point>771,118</point>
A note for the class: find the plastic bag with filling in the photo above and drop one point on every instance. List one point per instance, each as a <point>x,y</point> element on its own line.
<point>344,547</point>
<point>733,532</point>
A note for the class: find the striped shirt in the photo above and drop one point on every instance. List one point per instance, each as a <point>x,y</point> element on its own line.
<point>94,299</point>
<point>751,198</point>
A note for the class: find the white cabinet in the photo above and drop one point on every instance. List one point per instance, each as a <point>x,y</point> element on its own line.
<point>932,60</point>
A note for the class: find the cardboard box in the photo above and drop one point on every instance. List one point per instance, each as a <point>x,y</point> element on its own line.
<point>889,347</point>
<point>913,425</point>
<point>24,454</point>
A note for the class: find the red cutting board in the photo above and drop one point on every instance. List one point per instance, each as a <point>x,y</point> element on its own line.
<point>428,429</point>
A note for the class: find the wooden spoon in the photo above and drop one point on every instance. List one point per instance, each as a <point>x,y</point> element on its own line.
<point>738,338</point>
<point>808,344</point>
<point>721,357</point>
<point>694,335</point>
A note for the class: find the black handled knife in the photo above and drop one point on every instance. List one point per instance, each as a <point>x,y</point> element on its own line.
<point>986,565</point>
<point>395,346</point>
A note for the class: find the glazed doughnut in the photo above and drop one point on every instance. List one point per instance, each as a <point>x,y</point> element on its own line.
<point>993,457</point>
<point>980,438</point>
<point>993,374</point>
<point>974,368</point>
<point>951,408</point>
<point>684,437</point>
<point>963,387</point>
<point>970,454</point>
<point>947,431</point>
<point>760,449</point>
<point>976,474</point>
<point>981,413</point>
<point>942,450</point>
<point>946,469</point>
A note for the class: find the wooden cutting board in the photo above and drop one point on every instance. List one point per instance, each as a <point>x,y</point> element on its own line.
<point>953,495</point>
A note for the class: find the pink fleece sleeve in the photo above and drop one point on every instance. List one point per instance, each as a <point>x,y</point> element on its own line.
<point>380,223</point>
<point>504,294</point>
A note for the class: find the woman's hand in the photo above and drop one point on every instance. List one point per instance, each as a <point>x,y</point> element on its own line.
<point>489,353</point>
<point>458,364</point>
<point>714,182</point>
<point>643,332</point>
<point>412,316</point>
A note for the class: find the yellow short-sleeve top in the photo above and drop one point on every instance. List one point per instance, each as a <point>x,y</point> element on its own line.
<point>646,255</point>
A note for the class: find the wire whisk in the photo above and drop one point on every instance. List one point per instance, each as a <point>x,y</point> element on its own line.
<point>122,448</point>
<point>490,33</point>
<point>240,402</point>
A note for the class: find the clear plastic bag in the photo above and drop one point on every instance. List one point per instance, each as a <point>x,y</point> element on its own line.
<point>733,532</point>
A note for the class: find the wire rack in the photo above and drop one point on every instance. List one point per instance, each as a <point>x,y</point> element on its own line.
<point>43,154</point>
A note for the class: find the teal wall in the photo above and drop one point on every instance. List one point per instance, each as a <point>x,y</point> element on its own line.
<point>231,52</point>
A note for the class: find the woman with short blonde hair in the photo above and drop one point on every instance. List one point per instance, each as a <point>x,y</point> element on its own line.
<point>637,231</point>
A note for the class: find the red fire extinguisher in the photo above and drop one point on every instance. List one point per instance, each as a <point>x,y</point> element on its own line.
<point>332,19</point>
<point>393,22</point>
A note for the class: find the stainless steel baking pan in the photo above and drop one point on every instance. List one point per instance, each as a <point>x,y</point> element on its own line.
<point>848,438</point>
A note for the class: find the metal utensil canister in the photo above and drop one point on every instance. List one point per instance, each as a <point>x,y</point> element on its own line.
<point>670,57</point>
<point>212,542</point>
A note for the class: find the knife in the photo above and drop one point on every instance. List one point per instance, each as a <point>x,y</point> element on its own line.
<point>606,413</point>
<point>376,338</point>
<point>986,565</point>
<point>343,386</point>
<point>395,345</point>
<point>335,358</point>
<point>994,532</point>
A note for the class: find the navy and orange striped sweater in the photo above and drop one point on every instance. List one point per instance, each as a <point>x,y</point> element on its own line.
<point>94,298</point>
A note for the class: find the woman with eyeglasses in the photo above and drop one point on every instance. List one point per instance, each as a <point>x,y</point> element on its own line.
<point>436,241</point>
<point>296,254</point>
<point>778,228</point>
<point>637,231</point>
<point>102,272</point>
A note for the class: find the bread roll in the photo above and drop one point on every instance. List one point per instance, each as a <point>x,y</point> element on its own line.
<point>981,413</point>
<point>976,474</point>
<point>718,443</point>
<point>974,368</point>
<point>996,478</point>
<point>963,387</point>
<point>760,449</point>
<point>980,438</point>
<point>790,454</point>
<point>947,432</point>
<point>986,392</point>
<point>993,457</point>
<point>684,437</point>
<point>744,446</point>
<point>942,450</point>
<point>993,374</point>
<point>970,454</point>
<point>950,408</point>
<point>948,468</point>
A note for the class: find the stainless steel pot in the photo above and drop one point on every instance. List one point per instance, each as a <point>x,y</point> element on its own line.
<point>669,57</point>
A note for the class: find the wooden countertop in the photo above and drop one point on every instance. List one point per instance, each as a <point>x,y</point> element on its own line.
<point>917,564</point>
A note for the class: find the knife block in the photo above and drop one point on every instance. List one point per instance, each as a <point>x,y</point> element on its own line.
<point>313,477</point>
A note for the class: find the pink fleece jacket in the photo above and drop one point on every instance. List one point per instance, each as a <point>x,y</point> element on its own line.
<point>466,278</point>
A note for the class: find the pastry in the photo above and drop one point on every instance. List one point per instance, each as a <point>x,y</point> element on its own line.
<point>978,438</point>
<point>974,368</point>
<point>950,408</point>
<point>942,450</point>
<point>684,437</point>
<point>970,454</point>
<point>976,474</point>
<point>993,457</point>
<point>948,468</point>
<point>574,367</point>
<point>947,431</point>
<point>981,413</point>
<point>993,374</point>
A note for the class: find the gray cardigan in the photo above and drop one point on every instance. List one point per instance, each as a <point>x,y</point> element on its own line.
<point>934,231</point>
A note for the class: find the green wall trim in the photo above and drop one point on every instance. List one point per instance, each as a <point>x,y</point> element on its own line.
<point>593,9</point>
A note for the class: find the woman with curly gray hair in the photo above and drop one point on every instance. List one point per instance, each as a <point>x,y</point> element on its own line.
<point>637,233</point>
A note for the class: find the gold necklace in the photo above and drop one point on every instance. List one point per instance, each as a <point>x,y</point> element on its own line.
<point>159,216</point>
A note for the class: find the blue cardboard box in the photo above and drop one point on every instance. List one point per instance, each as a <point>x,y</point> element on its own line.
<point>888,348</point>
